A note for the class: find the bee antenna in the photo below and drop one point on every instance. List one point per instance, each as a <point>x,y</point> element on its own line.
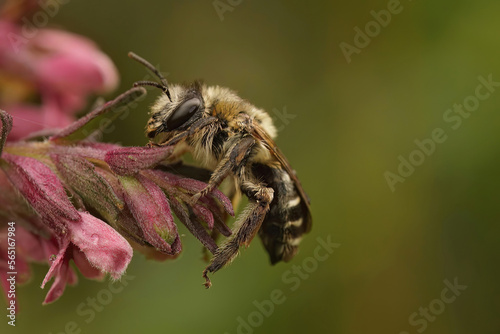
<point>154,84</point>
<point>164,84</point>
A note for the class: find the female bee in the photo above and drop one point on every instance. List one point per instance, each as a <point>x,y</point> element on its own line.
<point>233,139</point>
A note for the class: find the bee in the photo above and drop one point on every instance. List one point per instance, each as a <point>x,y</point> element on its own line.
<point>233,139</point>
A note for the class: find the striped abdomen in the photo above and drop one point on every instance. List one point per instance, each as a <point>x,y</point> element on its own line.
<point>288,217</point>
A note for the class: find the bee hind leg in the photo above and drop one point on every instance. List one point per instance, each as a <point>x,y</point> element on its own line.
<point>245,228</point>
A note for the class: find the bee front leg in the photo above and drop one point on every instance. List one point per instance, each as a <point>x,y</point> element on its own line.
<point>220,173</point>
<point>246,227</point>
<point>232,161</point>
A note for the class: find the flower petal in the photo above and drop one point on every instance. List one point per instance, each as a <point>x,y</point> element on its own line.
<point>57,262</point>
<point>42,189</point>
<point>29,119</point>
<point>129,160</point>
<point>152,254</point>
<point>150,208</point>
<point>218,215</point>
<point>84,52</point>
<point>63,71</point>
<point>193,225</point>
<point>197,186</point>
<point>61,278</point>
<point>81,176</point>
<point>103,247</point>
<point>29,244</point>
<point>204,214</point>
<point>182,208</point>
<point>168,180</point>
<point>125,222</point>
<point>85,267</point>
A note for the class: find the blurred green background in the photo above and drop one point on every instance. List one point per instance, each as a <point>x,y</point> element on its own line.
<point>351,122</point>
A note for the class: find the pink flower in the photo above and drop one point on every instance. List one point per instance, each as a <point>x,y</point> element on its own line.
<point>96,249</point>
<point>103,247</point>
<point>128,189</point>
<point>31,118</point>
<point>61,68</point>
<point>73,198</point>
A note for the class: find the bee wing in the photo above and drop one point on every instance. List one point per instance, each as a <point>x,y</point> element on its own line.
<point>261,135</point>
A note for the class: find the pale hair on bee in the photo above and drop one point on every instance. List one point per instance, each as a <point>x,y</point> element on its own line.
<point>234,139</point>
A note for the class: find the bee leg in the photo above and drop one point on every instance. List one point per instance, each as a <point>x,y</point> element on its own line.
<point>232,162</point>
<point>194,128</point>
<point>246,227</point>
<point>233,193</point>
<point>219,174</point>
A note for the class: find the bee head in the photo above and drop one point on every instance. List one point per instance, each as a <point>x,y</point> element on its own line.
<point>172,112</point>
<point>169,117</point>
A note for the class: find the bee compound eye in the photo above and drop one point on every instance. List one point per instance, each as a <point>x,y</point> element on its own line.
<point>183,113</point>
